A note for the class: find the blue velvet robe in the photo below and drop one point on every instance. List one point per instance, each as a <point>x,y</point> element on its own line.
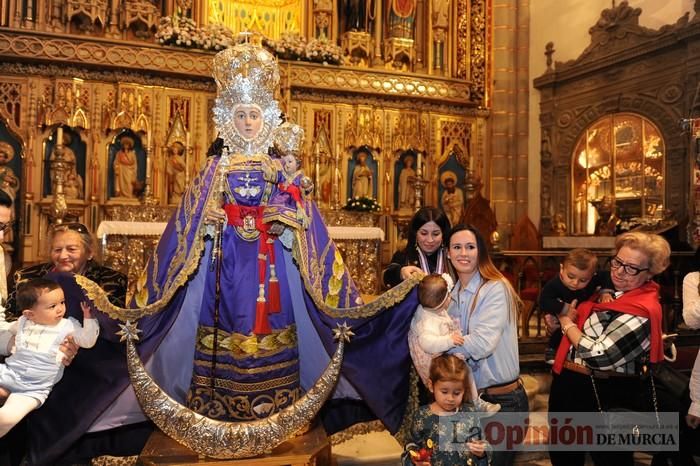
<point>176,296</point>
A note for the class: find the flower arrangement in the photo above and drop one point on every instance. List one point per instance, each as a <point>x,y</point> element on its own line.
<point>183,32</point>
<point>290,46</point>
<point>178,31</point>
<point>362,204</point>
<point>322,51</point>
<point>214,37</point>
<point>421,454</point>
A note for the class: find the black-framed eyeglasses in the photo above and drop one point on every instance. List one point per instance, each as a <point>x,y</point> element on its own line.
<point>72,226</point>
<point>7,225</point>
<point>616,263</point>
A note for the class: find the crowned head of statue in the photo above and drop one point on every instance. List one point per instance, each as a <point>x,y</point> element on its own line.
<point>288,143</point>
<point>246,111</point>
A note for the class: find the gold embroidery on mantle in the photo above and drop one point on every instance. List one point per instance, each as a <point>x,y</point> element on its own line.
<point>246,387</point>
<point>239,408</point>
<point>239,345</point>
<point>252,370</point>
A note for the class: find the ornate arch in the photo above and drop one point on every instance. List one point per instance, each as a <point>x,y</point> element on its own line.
<point>569,125</point>
<point>627,68</point>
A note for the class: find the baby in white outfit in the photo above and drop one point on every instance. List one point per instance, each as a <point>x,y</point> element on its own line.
<point>433,332</point>
<point>35,366</point>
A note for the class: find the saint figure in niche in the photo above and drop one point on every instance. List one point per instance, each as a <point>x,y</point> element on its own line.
<point>362,177</point>
<point>175,171</point>
<point>407,194</point>
<point>452,197</point>
<point>125,164</point>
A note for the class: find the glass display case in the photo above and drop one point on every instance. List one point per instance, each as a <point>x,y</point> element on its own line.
<point>617,173</point>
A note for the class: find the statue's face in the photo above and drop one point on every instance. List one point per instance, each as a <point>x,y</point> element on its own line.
<point>177,149</point>
<point>289,163</point>
<point>4,156</point>
<point>248,120</point>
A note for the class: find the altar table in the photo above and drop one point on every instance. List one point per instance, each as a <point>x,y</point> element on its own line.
<point>126,246</point>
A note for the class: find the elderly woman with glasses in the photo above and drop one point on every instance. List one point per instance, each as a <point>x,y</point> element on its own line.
<point>91,373</point>
<point>605,345</point>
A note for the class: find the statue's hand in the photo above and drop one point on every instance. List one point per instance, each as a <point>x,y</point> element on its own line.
<point>270,173</point>
<point>214,215</point>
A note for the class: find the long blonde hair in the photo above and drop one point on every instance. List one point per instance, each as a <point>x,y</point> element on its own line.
<point>487,269</point>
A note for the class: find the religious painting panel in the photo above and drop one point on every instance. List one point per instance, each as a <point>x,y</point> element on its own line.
<point>362,168</point>
<point>404,185</point>
<point>177,153</point>
<point>617,174</point>
<point>73,154</point>
<point>126,167</point>
<point>10,161</point>
<point>401,18</point>
<point>321,166</point>
<point>451,188</point>
<point>10,171</point>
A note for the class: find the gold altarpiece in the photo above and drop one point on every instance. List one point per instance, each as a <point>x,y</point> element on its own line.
<point>135,115</point>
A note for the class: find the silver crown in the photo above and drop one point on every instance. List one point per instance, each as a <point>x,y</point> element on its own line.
<point>289,138</point>
<point>246,74</point>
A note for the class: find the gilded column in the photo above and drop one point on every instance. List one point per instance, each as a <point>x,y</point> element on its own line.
<point>378,29</point>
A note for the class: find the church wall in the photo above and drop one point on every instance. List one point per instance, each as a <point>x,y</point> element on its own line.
<point>508,124</point>
<point>566,24</point>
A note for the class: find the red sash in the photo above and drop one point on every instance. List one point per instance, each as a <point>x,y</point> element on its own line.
<point>642,302</point>
<point>236,215</point>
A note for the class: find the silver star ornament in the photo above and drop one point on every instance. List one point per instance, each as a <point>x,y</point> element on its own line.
<point>128,331</point>
<point>343,332</point>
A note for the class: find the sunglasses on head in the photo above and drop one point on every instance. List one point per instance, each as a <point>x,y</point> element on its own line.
<point>72,226</point>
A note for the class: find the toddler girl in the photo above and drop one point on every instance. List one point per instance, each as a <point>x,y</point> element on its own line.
<point>447,419</point>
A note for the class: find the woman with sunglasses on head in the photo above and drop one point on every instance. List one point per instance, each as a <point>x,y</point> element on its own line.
<point>424,251</point>
<point>91,374</point>
<point>605,345</point>
<point>486,307</point>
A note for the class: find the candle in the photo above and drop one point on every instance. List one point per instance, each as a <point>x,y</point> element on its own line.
<point>59,136</point>
<point>187,140</point>
<point>148,166</point>
<point>148,141</point>
<point>419,163</point>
